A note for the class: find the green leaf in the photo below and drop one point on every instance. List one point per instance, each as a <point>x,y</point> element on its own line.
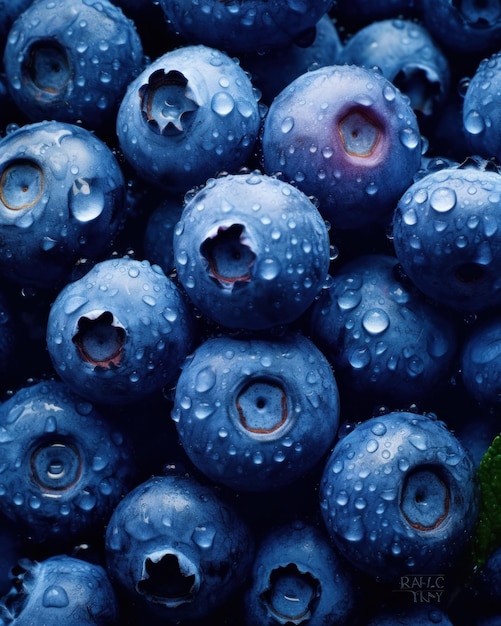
<point>488,532</point>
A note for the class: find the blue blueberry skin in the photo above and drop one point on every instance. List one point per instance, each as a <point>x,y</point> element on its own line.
<point>359,13</point>
<point>446,236</point>
<point>256,414</point>
<point>190,114</point>
<point>64,466</point>
<point>10,11</point>
<point>481,108</point>
<point>479,362</point>
<point>119,333</point>
<point>251,251</point>
<point>235,28</point>
<point>177,549</point>
<point>385,342</point>
<point>464,27</point>
<point>345,135</point>
<point>62,197</point>
<point>407,55</point>
<point>297,577</point>
<point>412,615</point>
<point>71,60</point>
<point>399,496</point>
<point>274,71</point>
<point>158,240</point>
<point>60,589</point>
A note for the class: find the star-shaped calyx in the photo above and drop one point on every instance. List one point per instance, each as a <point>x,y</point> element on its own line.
<point>167,103</point>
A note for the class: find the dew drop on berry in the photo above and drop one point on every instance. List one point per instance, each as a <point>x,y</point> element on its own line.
<point>55,596</point>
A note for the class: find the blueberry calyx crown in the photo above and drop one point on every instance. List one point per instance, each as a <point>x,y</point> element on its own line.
<point>47,66</point>
<point>100,339</point>
<point>170,578</point>
<point>167,105</point>
<point>229,257</point>
<point>292,595</point>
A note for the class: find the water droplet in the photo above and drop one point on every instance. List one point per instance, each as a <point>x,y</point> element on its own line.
<point>73,303</point>
<point>287,125</point>
<point>279,456</point>
<point>86,202</point>
<point>409,138</point>
<point>349,299</point>
<point>418,441</point>
<point>222,103</point>
<point>342,498</point>
<point>55,596</point>
<point>257,458</point>
<point>205,380</point>
<point>355,530</point>
<point>474,123</point>
<point>203,536</point>
<point>372,445</point>
<point>443,199</point>
<point>378,429</point>
<point>360,357</point>
<point>34,502</point>
<point>375,321</point>
<point>86,501</point>
<point>269,268</point>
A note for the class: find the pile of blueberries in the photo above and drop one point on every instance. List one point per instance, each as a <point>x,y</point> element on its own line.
<point>250,312</point>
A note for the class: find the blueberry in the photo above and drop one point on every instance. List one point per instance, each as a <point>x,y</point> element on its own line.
<point>399,496</point>
<point>71,60</point>
<point>479,360</point>
<point>414,615</point>
<point>235,27</point>
<point>251,251</point>
<point>407,55</point>
<point>473,28</point>
<point>177,549</point>
<point>273,71</point>
<point>256,414</point>
<point>297,577</point>
<point>158,240</point>
<point>62,195</point>
<point>190,114</point>
<point>446,236</point>
<point>119,333</point>
<point>64,467</point>
<point>480,111</point>
<point>349,137</point>
<point>60,589</point>
<point>385,341</point>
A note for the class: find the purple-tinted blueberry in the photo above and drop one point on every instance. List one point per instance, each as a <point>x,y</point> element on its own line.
<point>119,333</point>
<point>347,136</point>
<point>251,251</point>
<point>256,414</point>
<point>177,549</point>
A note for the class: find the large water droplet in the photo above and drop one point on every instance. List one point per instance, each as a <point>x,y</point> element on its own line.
<point>222,103</point>
<point>86,200</point>
<point>205,380</point>
<point>55,596</point>
<point>203,536</point>
<point>474,123</point>
<point>375,321</point>
<point>443,199</point>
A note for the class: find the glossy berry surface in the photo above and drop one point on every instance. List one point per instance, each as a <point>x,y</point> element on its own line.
<point>62,195</point>
<point>347,136</point>
<point>399,495</point>
<point>407,55</point>
<point>479,360</point>
<point>60,589</point>
<point>480,111</point>
<point>235,27</point>
<point>385,342</point>
<point>256,414</point>
<point>446,236</point>
<point>190,114</point>
<point>297,577</point>
<point>119,333</point>
<point>64,467</point>
<point>177,548</point>
<point>251,251</point>
<point>71,60</point>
